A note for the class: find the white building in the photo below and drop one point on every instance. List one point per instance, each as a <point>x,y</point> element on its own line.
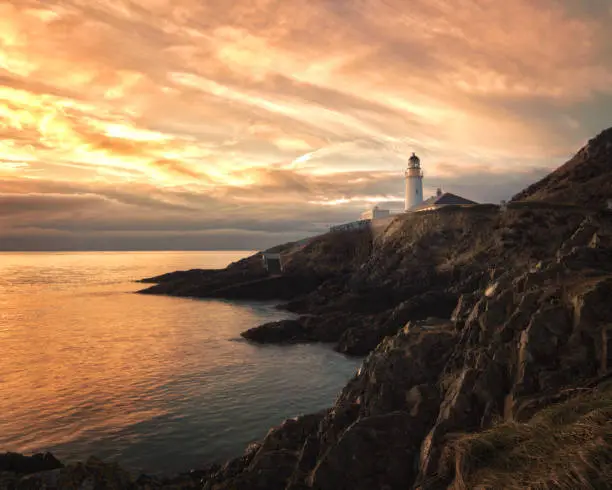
<point>413,201</point>
<point>414,183</point>
<point>442,199</point>
<point>375,213</point>
<point>414,191</point>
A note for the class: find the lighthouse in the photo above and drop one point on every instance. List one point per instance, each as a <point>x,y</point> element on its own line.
<point>414,183</point>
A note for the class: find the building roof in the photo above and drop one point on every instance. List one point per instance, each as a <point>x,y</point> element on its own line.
<point>443,199</point>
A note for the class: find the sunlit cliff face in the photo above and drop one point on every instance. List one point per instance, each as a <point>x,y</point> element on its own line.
<point>205,124</point>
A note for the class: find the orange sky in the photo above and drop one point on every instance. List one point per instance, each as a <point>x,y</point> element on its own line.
<point>207,124</point>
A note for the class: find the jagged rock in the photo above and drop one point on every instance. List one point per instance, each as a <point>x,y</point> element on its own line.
<point>271,473</point>
<point>330,327</point>
<point>463,308</point>
<point>358,341</point>
<point>232,468</point>
<point>581,237</point>
<point>584,180</point>
<point>93,474</point>
<point>374,452</point>
<point>268,465</point>
<point>269,288</point>
<point>44,472</point>
<point>438,304</point>
<point>471,401</point>
<point>315,328</point>
<point>415,356</point>
<point>582,258</point>
<point>284,331</point>
<point>291,434</point>
<point>364,338</point>
<point>399,376</point>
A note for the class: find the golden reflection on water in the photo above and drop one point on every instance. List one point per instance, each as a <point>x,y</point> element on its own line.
<point>88,367</point>
<point>74,349</point>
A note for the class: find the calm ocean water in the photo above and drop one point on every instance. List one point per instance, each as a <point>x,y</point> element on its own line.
<point>159,384</point>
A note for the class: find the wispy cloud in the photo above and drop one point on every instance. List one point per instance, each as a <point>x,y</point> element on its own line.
<point>258,115</point>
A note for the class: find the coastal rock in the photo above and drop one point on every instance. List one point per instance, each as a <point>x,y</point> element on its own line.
<point>438,304</point>
<point>251,284</point>
<point>513,346</point>
<point>314,328</point>
<point>520,336</point>
<point>374,452</point>
<point>393,397</point>
<point>94,474</point>
<point>356,334</point>
<point>23,465</point>
<point>90,475</point>
<point>284,331</point>
<point>538,341</point>
<point>362,339</point>
<point>47,473</point>
<point>415,356</point>
<point>359,341</point>
<point>268,288</point>
<point>331,327</point>
<point>269,465</point>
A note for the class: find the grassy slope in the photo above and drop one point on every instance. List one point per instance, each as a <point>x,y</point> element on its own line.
<point>565,446</point>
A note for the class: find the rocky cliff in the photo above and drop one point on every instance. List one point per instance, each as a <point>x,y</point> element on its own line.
<point>418,268</point>
<point>488,335</point>
<point>523,324</point>
<point>530,336</point>
<point>585,180</point>
<point>512,391</point>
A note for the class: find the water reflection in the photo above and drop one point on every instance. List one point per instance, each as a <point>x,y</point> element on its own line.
<point>87,367</point>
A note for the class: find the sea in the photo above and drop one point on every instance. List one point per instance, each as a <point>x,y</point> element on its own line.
<point>159,384</point>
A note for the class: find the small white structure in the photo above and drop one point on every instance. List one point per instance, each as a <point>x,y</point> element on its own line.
<point>414,183</point>
<point>609,204</point>
<point>272,262</point>
<point>375,213</point>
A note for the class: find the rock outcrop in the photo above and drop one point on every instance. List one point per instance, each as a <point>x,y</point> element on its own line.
<point>25,465</point>
<point>416,269</point>
<point>525,340</point>
<point>53,475</point>
<point>585,180</point>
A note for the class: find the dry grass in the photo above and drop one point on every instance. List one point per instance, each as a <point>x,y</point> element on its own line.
<point>566,446</point>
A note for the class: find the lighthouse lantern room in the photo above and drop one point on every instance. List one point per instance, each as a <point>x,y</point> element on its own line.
<point>414,183</point>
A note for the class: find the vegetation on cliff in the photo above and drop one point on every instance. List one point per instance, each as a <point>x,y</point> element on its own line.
<point>585,180</point>
<point>567,445</point>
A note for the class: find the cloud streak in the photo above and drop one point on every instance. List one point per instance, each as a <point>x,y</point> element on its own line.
<point>266,116</point>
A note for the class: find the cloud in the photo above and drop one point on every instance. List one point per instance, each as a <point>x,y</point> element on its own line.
<point>264,115</point>
<point>18,205</point>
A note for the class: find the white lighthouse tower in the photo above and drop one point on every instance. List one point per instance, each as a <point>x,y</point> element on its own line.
<point>414,183</point>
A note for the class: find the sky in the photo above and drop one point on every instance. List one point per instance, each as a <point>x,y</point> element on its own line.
<point>206,124</point>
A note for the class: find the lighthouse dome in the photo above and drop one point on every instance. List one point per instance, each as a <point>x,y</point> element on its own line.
<point>414,161</point>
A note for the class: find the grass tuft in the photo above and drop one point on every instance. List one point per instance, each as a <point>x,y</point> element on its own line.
<point>565,446</point>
